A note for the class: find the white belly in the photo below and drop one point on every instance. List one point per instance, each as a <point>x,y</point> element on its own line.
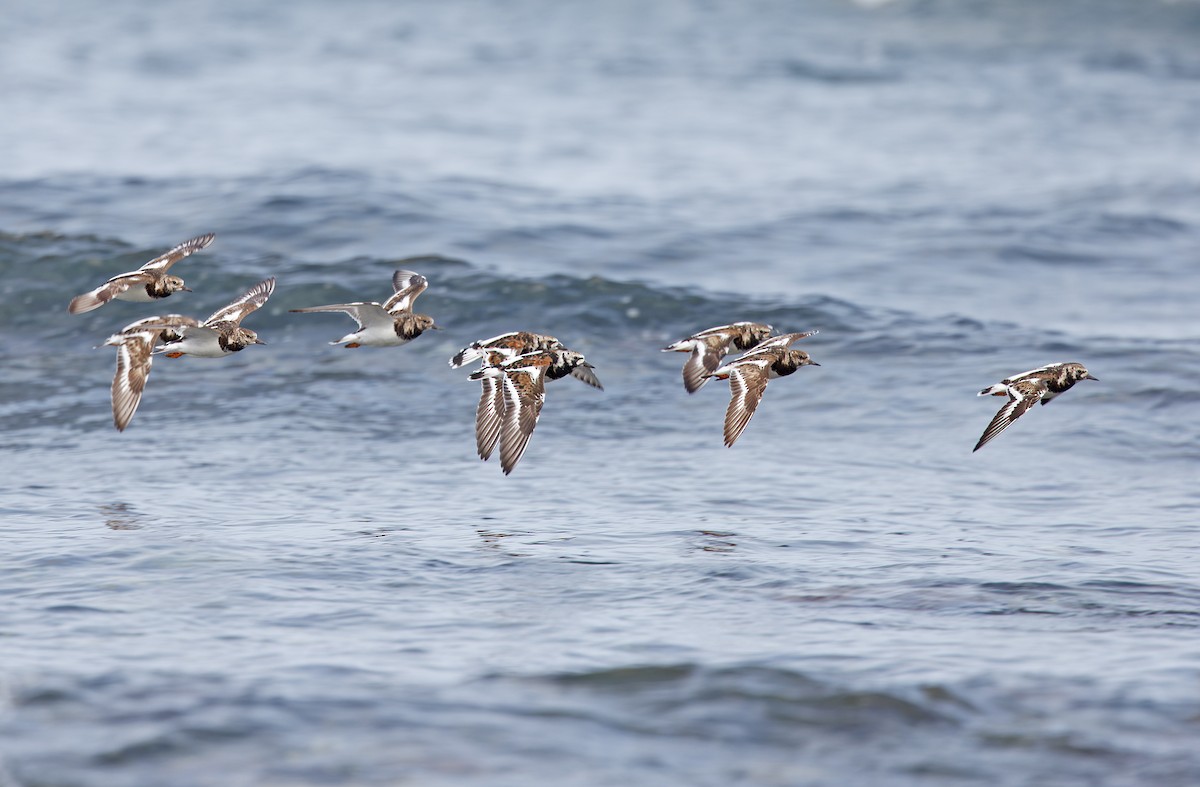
<point>136,294</point>
<point>202,346</point>
<point>374,336</point>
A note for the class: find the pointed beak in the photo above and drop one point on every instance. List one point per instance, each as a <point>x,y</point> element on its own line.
<point>813,363</point>
<point>435,327</point>
<point>259,341</point>
<point>1089,377</point>
<point>185,289</point>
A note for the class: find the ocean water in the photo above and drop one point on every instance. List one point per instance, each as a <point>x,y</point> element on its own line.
<point>292,569</point>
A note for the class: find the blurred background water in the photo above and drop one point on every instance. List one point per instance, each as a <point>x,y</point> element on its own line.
<point>292,570</point>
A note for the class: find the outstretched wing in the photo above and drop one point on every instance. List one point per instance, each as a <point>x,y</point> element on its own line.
<point>783,341</point>
<point>508,345</point>
<point>133,369</point>
<point>90,301</point>
<point>1021,396</point>
<point>524,395</point>
<point>160,322</point>
<point>481,351</point>
<point>408,286</point>
<point>188,247</point>
<point>747,381</point>
<point>365,313</point>
<point>586,374</point>
<point>705,358</point>
<point>489,414</point>
<point>724,332</point>
<point>253,298</point>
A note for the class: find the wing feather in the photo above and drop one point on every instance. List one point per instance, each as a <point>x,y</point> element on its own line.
<point>488,416</point>
<point>96,298</point>
<point>782,341</point>
<point>524,395</point>
<point>1022,395</point>
<point>160,322</point>
<point>133,369</point>
<point>587,375</point>
<point>723,332</point>
<point>163,262</point>
<point>250,300</point>
<point>707,353</point>
<point>747,382</point>
<point>408,285</point>
<point>365,313</point>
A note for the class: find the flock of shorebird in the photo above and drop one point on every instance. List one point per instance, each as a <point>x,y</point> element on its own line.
<point>514,367</point>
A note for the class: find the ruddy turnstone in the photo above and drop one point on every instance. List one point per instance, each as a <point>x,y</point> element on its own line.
<point>512,401</point>
<point>149,282</point>
<point>493,353</point>
<point>222,333</point>
<point>1025,389</point>
<point>388,324</point>
<point>507,345</point>
<point>749,374</point>
<point>135,345</point>
<point>708,347</point>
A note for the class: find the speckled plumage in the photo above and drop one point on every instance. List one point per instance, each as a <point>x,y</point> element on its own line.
<point>493,353</point>
<point>148,283</point>
<point>749,374</point>
<point>1027,388</point>
<point>513,395</point>
<point>709,347</point>
<point>507,345</point>
<point>135,347</point>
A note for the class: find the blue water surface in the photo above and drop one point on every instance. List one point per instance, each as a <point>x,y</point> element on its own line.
<point>292,569</point>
